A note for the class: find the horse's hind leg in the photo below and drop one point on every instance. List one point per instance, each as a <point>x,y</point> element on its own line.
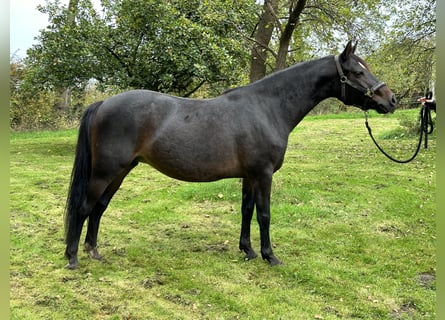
<point>90,245</point>
<point>94,191</point>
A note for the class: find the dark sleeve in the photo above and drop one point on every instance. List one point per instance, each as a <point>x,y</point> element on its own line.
<point>432,105</point>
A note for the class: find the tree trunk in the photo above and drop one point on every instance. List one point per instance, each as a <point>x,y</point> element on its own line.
<point>295,11</point>
<point>63,101</point>
<point>261,41</point>
<point>73,6</point>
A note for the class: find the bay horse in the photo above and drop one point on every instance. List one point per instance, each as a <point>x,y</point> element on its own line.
<point>242,133</point>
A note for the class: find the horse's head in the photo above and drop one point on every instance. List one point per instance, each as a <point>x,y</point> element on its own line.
<point>359,87</point>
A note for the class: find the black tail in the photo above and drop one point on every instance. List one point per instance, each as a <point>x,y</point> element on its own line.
<point>81,172</point>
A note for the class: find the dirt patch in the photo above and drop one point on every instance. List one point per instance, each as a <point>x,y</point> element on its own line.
<point>406,309</point>
<point>427,280</point>
<point>156,280</point>
<point>177,299</point>
<point>218,247</point>
<point>48,301</point>
<point>391,230</point>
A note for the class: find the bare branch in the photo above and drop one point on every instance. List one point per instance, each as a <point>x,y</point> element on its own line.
<point>267,48</point>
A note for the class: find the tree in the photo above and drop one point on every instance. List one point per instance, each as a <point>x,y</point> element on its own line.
<point>170,46</point>
<point>264,30</point>
<point>299,29</point>
<point>295,10</point>
<point>406,59</point>
<point>28,109</point>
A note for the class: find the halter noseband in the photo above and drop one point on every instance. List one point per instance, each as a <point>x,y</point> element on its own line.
<point>344,80</point>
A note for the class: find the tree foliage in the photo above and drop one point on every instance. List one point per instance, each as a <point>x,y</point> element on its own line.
<point>29,109</point>
<point>170,46</point>
<point>406,58</point>
<point>304,29</point>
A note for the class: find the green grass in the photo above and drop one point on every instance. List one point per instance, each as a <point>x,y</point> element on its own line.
<point>355,231</point>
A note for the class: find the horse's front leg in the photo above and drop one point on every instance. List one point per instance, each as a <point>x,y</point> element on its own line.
<point>262,201</point>
<point>247,208</point>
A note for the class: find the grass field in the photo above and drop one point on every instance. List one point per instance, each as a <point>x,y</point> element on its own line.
<point>355,231</point>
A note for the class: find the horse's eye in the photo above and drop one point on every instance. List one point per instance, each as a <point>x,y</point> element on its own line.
<point>358,73</point>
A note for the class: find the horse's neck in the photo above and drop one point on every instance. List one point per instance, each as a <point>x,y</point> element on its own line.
<point>297,90</point>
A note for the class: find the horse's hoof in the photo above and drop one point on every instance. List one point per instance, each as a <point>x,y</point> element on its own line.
<point>72,266</point>
<point>250,255</point>
<point>92,252</point>
<point>273,261</point>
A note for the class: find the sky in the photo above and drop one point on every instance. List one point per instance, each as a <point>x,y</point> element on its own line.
<point>25,21</point>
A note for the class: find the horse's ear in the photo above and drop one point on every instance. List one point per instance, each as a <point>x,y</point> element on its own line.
<point>355,47</point>
<point>348,50</point>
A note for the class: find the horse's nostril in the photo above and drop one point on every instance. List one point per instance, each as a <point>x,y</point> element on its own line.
<point>394,100</point>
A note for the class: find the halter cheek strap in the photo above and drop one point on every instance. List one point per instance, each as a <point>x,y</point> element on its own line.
<point>345,81</point>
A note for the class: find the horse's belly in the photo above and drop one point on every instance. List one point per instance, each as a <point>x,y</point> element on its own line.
<point>195,171</point>
<point>197,162</point>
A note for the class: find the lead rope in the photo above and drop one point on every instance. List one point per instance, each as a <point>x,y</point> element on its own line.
<point>426,126</point>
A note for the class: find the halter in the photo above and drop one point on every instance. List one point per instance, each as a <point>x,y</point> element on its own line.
<point>345,81</point>
<point>426,126</point>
